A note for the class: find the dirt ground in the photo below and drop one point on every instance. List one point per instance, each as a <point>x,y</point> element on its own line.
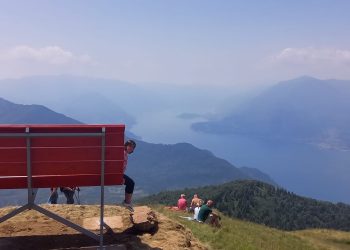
<point>33,230</point>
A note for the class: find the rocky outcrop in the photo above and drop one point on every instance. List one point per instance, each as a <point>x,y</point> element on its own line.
<point>144,229</point>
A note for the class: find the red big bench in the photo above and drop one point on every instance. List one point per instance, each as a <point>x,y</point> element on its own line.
<point>44,156</point>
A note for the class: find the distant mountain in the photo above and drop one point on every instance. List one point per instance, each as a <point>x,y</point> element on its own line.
<point>100,100</point>
<point>90,100</point>
<point>154,167</point>
<point>11,113</point>
<point>304,109</point>
<point>96,108</point>
<point>265,204</point>
<point>256,174</point>
<point>160,167</point>
<point>157,167</point>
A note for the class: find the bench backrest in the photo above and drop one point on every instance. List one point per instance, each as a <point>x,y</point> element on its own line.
<point>60,155</point>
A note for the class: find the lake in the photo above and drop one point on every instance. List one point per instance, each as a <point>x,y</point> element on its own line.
<point>302,169</point>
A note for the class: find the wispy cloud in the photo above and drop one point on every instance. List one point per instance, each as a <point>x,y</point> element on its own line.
<point>323,63</point>
<point>312,56</point>
<point>54,55</point>
<point>24,60</point>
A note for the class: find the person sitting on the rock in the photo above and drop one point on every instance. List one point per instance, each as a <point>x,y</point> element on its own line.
<point>206,214</point>
<point>182,203</point>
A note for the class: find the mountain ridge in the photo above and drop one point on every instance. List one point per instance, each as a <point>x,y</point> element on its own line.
<point>154,167</point>
<point>302,109</point>
<point>39,114</point>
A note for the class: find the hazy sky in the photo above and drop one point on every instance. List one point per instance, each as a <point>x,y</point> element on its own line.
<point>184,42</point>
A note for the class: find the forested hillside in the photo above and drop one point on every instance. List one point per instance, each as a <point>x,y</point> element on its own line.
<point>265,204</point>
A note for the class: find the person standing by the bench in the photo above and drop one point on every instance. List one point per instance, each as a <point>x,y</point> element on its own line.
<point>53,196</point>
<point>68,192</point>
<point>129,147</point>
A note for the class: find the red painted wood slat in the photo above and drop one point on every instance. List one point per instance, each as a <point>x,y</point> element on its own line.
<point>61,161</point>
<point>16,182</point>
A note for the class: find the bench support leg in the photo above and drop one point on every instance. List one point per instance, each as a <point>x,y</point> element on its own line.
<point>32,195</point>
<point>14,212</point>
<point>53,216</point>
<point>65,222</point>
<point>33,191</point>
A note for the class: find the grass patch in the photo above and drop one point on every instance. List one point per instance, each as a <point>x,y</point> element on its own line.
<point>327,239</point>
<point>237,234</point>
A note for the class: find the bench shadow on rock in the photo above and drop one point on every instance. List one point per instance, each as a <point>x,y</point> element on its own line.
<point>126,239</point>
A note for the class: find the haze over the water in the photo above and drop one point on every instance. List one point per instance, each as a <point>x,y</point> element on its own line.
<point>220,43</point>
<point>180,62</point>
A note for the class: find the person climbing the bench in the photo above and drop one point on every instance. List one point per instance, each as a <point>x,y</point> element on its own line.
<point>129,148</point>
